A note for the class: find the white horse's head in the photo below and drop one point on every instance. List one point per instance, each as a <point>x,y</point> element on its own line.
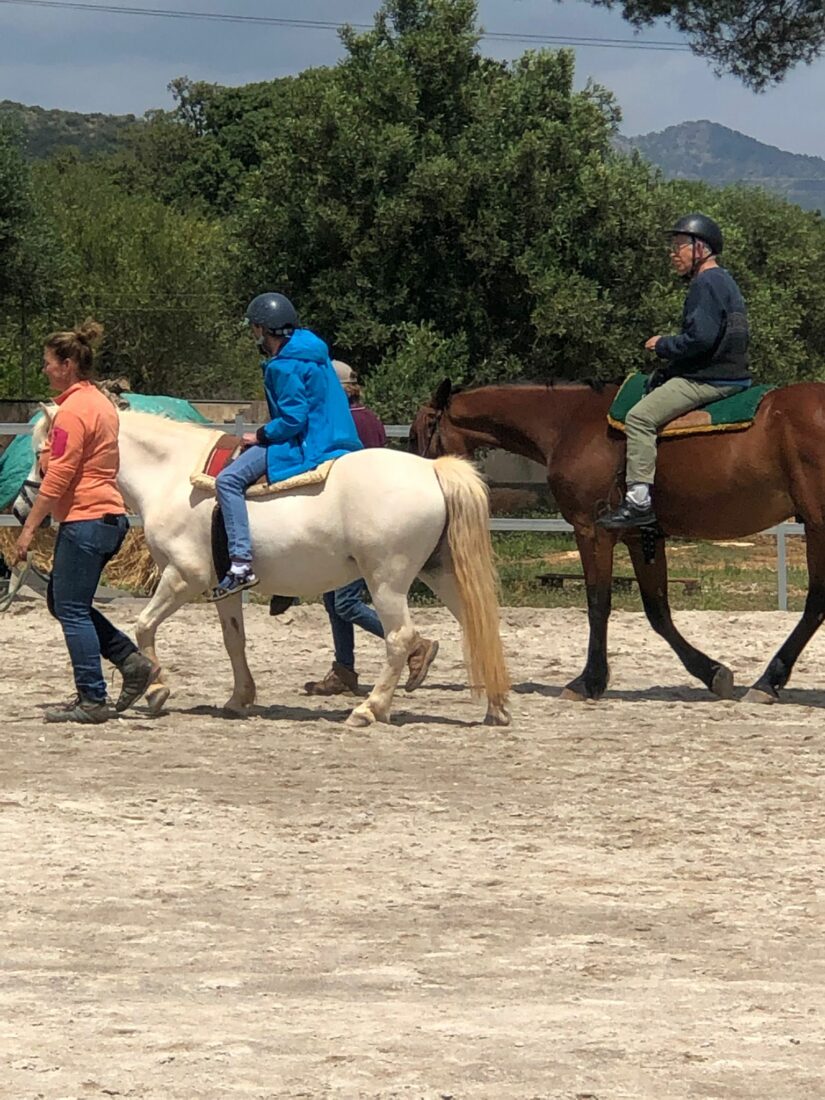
<point>31,486</point>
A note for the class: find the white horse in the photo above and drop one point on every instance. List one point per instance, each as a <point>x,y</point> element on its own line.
<point>383,515</point>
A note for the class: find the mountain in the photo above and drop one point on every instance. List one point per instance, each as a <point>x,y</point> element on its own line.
<point>707,151</point>
<point>47,131</point>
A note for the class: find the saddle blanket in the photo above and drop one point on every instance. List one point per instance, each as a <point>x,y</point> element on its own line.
<point>220,453</point>
<point>731,414</point>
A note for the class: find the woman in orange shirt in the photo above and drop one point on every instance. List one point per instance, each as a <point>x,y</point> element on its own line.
<point>80,463</point>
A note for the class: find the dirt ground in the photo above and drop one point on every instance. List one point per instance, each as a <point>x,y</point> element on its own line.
<point>621,900</point>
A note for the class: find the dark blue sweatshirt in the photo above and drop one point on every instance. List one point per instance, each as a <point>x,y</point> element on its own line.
<point>713,344</point>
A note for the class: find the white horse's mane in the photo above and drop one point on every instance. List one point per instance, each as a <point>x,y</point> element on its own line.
<point>165,423</point>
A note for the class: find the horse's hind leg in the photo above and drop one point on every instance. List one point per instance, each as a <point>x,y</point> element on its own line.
<point>776,675</point>
<point>230,611</point>
<point>652,578</point>
<point>443,584</point>
<point>172,592</point>
<point>399,635</point>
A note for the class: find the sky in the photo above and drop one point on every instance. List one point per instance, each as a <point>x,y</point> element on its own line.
<point>120,64</point>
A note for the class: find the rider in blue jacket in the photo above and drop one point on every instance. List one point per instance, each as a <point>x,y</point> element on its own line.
<point>310,423</point>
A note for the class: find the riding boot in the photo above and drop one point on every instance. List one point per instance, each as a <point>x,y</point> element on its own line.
<point>138,672</point>
<point>340,680</point>
<point>419,661</point>
<point>628,515</point>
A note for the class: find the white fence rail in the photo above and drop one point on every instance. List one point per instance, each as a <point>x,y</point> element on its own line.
<point>497,523</point>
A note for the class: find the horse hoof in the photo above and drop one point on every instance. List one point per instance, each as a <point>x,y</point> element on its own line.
<point>236,710</point>
<point>756,695</point>
<point>362,716</point>
<point>497,718</point>
<point>156,698</point>
<point>722,683</point>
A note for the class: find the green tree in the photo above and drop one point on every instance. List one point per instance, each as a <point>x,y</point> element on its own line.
<point>155,278</point>
<point>759,41</point>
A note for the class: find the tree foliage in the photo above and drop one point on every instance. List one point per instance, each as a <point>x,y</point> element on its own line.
<point>759,41</point>
<point>430,212</point>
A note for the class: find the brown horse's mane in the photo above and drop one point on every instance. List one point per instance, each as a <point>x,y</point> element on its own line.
<point>595,384</point>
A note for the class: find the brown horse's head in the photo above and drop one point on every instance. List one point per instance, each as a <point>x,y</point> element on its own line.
<point>432,432</point>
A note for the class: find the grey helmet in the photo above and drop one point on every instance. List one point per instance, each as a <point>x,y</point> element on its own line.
<point>273,312</point>
<point>701,228</point>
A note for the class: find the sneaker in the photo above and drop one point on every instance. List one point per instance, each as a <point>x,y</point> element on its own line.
<point>419,661</point>
<point>85,711</point>
<point>138,673</point>
<point>232,583</point>
<point>340,680</point>
<point>628,515</point>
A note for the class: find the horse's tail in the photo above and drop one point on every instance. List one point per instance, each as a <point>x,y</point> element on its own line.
<point>468,533</point>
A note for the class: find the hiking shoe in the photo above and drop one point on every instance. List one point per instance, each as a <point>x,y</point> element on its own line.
<point>138,673</point>
<point>419,661</point>
<point>628,515</point>
<point>85,711</point>
<point>340,680</point>
<point>232,583</point>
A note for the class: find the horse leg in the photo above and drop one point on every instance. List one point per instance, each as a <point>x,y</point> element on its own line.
<point>172,592</point>
<point>652,578</point>
<point>776,675</point>
<point>443,584</point>
<point>399,635</point>
<point>596,553</point>
<point>230,611</point>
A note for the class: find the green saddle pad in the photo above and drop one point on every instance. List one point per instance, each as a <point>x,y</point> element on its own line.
<point>732,413</point>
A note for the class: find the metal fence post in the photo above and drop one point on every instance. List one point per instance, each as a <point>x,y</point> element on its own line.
<point>781,568</point>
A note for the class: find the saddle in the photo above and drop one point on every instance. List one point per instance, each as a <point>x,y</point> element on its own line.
<point>220,453</point>
<point>731,414</point>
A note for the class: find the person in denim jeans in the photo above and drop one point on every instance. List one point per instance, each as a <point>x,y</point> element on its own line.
<point>79,463</point>
<point>345,606</point>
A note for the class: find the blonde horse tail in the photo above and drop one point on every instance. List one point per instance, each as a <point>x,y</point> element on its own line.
<point>468,534</point>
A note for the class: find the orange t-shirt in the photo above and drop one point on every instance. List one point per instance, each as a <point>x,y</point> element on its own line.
<point>81,459</point>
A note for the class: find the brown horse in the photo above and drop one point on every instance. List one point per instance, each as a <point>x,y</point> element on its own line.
<point>718,486</point>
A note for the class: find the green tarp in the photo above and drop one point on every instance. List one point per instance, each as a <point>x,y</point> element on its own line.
<point>17,459</point>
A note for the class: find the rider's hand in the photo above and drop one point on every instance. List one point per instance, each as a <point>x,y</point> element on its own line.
<point>650,344</point>
<point>249,439</point>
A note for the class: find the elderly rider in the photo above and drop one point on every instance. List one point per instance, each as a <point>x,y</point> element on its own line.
<point>706,361</point>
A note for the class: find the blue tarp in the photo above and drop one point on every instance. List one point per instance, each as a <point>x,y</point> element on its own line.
<point>17,459</point>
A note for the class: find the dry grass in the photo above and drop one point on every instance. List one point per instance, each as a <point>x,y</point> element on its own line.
<point>132,569</point>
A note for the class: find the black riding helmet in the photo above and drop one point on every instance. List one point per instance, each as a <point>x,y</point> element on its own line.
<point>701,228</point>
<point>274,312</point>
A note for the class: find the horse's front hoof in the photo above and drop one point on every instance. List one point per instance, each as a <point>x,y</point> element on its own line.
<point>756,695</point>
<point>362,716</point>
<point>156,698</point>
<point>234,709</point>
<point>722,683</point>
<point>497,717</point>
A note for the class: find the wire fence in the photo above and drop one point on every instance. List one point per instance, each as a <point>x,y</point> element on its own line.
<point>780,532</point>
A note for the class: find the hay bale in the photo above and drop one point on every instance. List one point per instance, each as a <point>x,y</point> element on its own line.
<point>132,568</point>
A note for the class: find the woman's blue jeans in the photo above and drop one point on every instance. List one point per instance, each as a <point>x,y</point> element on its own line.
<point>81,553</point>
<point>230,486</point>
<point>346,610</point>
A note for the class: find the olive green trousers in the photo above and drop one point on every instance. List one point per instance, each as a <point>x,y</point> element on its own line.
<point>673,398</point>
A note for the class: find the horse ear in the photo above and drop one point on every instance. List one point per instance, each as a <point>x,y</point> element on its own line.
<point>441,398</point>
<point>48,410</point>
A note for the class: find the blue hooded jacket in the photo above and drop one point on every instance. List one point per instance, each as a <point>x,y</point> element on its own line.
<point>311,421</point>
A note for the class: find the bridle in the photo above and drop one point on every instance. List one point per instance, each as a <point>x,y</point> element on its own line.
<point>435,433</point>
<point>30,488</point>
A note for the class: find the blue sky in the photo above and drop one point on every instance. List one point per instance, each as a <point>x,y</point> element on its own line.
<point>91,61</point>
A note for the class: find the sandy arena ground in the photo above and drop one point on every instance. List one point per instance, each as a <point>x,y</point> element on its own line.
<point>621,901</point>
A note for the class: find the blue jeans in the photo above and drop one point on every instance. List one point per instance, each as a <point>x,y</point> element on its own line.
<point>230,485</point>
<point>81,552</point>
<point>346,609</point>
